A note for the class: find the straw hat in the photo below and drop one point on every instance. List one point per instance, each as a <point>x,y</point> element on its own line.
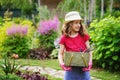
<point>73,15</point>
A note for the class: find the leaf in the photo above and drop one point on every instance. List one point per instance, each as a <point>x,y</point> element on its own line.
<point>116,66</point>
<point>115,58</point>
<point>109,39</point>
<point>116,40</point>
<point>108,54</point>
<point>113,33</point>
<point>111,63</point>
<point>99,56</point>
<point>112,49</point>
<point>103,65</point>
<point>110,45</point>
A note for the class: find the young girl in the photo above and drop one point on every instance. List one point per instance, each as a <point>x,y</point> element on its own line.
<point>74,39</point>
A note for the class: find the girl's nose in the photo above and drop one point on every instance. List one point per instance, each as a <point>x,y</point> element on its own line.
<point>78,25</point>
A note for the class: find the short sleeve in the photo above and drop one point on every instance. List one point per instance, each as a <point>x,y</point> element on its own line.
<point>62,40</point>
<point>86,37</point>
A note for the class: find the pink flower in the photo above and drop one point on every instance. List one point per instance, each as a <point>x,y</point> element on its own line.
<point>49,25</point>
<point>9,31</point>
<point>24,30</point>
<point>15,56</point>
<point>17,30</point>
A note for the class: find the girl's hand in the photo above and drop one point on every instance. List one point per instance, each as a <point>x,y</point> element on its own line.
<point>64,67</point>
<point>88,68</point>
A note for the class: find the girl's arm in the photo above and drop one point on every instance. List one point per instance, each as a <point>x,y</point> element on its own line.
<point>90,62</point>
<point>60,58</point>
<point>61,53</point>
<point>88,47</point>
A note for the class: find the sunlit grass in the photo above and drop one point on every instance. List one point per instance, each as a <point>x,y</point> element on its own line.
<point>105,75</point>
<point>53,63</point>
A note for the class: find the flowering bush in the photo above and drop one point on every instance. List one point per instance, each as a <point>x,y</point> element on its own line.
<point>45,27</point>
<point>48,32</point>
<point>17,40</point>
<point>29,36</point>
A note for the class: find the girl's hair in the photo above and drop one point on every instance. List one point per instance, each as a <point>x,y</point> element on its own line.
<point>66,29</point>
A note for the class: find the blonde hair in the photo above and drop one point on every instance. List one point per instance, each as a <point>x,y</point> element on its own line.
<point>66,29</point>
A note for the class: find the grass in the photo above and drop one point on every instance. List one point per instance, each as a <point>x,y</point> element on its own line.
<point>53,63</point>
<point>105,75</point>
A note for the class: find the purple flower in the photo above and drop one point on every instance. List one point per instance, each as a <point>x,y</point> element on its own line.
<point>9,31</point>
<point>48,25</point>
<point>24,30</point>
<point>17,30</point>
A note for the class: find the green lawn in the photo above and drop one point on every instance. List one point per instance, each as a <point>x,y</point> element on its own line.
<point>105,75</point>
<point>53,63</point>
<point>101,74</point>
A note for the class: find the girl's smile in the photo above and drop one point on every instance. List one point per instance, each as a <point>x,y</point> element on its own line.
<point>76,26</point>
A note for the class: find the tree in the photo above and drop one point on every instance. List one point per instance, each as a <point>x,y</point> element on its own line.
<point>25,5</point>
<point>85,12</point>
<point>10,4</point>
<point>70,5</point>
<point>90,10</point>
<point>94,8</point>
<point>111,5</point>
<point>102,8</point>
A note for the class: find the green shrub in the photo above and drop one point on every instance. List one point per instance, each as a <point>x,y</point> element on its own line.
<point>47,41</point>
<point>17,41</point>
<point>10,77</point>
<point>18,45</point>
<point>47,33</point>
<point>106,39</point>
<point>54,54</point>
<point>8,65</point>
<point>116,13</point>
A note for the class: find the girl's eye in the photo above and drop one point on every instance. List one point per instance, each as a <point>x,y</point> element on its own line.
<point>77,22</point>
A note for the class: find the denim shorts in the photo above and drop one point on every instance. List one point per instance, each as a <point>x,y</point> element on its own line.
<point>77,74</point>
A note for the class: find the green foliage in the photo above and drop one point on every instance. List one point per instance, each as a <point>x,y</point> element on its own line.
<point>44,13</point>
<point>69,5</point>
<point>116,13</point>
<point>27,9</point>
<point>106,38</point>
<point>23,44</point>
<point>54,53</point>
<point>11,4</point>
<point>17,44</point>
<point>1,21</point>
<point>47,40</point>
<point>8,65</point>
<point>3,33</point>
<point>10,77</point>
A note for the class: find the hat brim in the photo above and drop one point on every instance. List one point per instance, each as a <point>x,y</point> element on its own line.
<point>65,22</point>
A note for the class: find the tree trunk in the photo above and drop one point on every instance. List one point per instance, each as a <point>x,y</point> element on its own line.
<point>33,17</point>
<point>94,8</point>
<point>111,5</point>
<point>102,8</point>
<point>90,10</point>
<point>85,12</point>
<point>39,3</point>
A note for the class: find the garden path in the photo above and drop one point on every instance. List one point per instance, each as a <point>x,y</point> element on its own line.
<point>49,71</point>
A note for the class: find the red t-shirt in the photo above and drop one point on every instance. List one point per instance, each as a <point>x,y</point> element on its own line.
<point>74,44</point>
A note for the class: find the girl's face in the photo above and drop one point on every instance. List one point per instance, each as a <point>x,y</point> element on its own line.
<point>76,26</point>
